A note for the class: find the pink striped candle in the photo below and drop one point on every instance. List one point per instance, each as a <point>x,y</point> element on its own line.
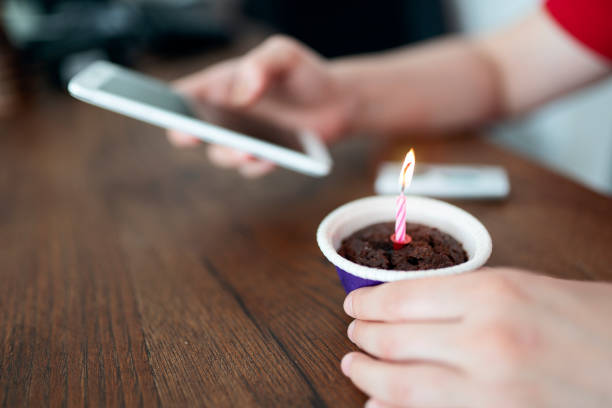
<point>400,238</point>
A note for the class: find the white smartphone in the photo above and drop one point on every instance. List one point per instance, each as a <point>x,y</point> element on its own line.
<point>447,181</point>
<point>132,94</point>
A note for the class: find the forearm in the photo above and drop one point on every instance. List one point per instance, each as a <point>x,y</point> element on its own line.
<point>440,85</point>
<point>460,82</point>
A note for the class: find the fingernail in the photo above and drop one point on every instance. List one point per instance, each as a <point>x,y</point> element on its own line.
<point>372,404</point>
<point>348,304</point>
<point>349,331</point>
<point>345,364</point>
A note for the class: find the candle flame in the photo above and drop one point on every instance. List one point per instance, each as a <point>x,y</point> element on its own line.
<point>407,170</point>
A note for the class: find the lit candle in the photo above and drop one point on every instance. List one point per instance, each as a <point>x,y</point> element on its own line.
<point>400,238</point>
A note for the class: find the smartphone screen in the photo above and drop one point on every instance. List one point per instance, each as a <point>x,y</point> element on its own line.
<point>157,94</point>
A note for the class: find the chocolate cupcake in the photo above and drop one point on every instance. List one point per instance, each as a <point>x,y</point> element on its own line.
<point>356,239</point>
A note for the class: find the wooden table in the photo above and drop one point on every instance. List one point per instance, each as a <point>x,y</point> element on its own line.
<point>139,275</point>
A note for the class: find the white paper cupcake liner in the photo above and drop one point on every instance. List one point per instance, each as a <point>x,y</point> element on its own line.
<point>361,213</point>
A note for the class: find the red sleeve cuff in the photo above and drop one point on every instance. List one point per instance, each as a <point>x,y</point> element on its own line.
<point>589,21</point>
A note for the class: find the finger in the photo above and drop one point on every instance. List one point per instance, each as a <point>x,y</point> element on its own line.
<point>212,84</point>
<point>413,385</point>
<point>181,139</point>
<point>190,83</point>
<point>409,341</point>
<point>444,298</point>
<point>226,157</point>
<point>256,168</point>
<point>257,71</point>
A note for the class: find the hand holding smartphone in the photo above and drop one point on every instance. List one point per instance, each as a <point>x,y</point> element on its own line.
<point>135,95</point>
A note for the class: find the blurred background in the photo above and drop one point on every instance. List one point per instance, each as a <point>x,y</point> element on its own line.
<point>44,42</point>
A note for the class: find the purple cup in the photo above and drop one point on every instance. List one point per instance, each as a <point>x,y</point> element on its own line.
<point>361,213</point>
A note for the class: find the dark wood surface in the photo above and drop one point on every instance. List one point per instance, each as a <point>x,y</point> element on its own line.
<point>139,275</point>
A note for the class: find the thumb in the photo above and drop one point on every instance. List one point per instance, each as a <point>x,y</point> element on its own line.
<point>259,69</point>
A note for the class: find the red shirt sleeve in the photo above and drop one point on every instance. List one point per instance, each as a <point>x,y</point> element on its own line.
<point>589,21</point>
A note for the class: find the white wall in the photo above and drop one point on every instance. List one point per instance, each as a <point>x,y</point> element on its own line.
<point>573,135</point>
